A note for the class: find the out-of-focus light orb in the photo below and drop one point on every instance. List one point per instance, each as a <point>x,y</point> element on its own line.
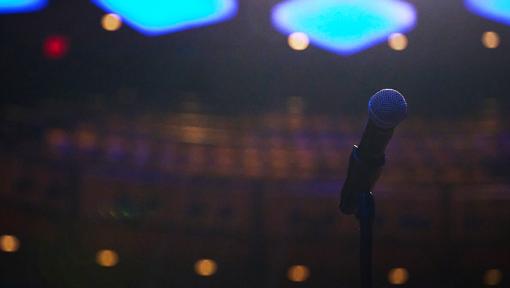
<point>298,41</point>
<point>490,39</point>
<point>496,10</point>
<point>154,17</point>
<point>111,22</point>
<point>20,6</point>
<point>9,243</point>
<point>205,267</point>
<point>55,47</point>
<point>107,258</point>
<point>298,273</point>
<point>492,277</point>
<point>398,276</point>
<point>398,41</point>
<point>344,26</point>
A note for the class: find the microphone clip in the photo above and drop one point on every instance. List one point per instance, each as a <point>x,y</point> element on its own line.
<point>361,177</point>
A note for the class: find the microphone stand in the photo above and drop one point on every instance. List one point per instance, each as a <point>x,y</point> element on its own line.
<point>365,216</point>
<point>386,109</point>
<point>361,176</point>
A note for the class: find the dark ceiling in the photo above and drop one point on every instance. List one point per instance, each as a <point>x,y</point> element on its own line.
<point>245,66</point>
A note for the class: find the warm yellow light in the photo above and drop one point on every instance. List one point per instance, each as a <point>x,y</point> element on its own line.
<point>205,267</point>
<point>298,273</point>
<point>111,22</point>
<point>107,258</point>
<point>492,277</point>
<point>9,243</point>
<point>298,41</point>
<point>398,276</point>
<point>398,41</point>
<point>490,39</point>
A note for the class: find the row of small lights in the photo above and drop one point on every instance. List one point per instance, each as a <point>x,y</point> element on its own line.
<point>208,267</point>
<point>56,47</point>
<point>299,41</point>
<point>397,41</point>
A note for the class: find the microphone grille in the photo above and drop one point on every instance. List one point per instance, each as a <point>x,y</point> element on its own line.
<point>387,108</point>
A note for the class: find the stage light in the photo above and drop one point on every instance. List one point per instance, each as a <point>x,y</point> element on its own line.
<point>398,276</point>
<point>490,39</point>
<point>492,277</point>
<point>9,243</point>
<point>298,273</point>
<point>155,17</point>
<point>205,267</point>
<point>344,26</point>
<point>107,258</point>
<point>496,10</point>
<point>298,41</point>
<point>111,22</point>
<point>20,6</point>
<point>55,47</point>
<point>397,41</point>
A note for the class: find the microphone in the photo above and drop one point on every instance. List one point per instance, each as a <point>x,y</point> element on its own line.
<point>386,109</point>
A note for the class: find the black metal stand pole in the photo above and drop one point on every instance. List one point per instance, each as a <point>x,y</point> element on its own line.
<point>366,219</point>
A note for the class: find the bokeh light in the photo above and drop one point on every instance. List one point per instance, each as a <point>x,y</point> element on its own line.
<point>21,6</point>
<point>159,17</point>
<point>492,277</point>
<point>298,41</point>
<point>9,243</point>
<point>490,39</point>
<point>107,258</point>
<point>398,41</point>
<point>398,276</point>
<point>205,267</point>
<point>496,10</point>
<point>55,47</point>
<point>111,22</point>
<point>298,273</point>
<point>344,26</point>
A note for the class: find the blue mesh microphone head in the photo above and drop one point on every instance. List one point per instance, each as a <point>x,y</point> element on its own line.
<point>387,108</point>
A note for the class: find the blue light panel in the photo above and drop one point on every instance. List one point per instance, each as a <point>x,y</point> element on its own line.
<point>497,10</point>
<point>153,17</point>
<point>344,26</point>
<point>20,6</point>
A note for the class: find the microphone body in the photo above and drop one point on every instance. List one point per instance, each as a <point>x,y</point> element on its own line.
<point>386,109</point>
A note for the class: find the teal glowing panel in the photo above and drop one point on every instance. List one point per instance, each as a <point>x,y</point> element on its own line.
<point>153,17</point>
<point>496,10</point>
<point>344,26</point>
<point>21,6</point>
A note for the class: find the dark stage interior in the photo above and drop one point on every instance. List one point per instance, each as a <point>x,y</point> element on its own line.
<point>214,156</point>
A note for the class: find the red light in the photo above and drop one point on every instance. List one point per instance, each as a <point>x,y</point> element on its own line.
<point>55,47</point>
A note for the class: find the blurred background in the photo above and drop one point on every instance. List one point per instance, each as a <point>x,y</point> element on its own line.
<point>213,155</point>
